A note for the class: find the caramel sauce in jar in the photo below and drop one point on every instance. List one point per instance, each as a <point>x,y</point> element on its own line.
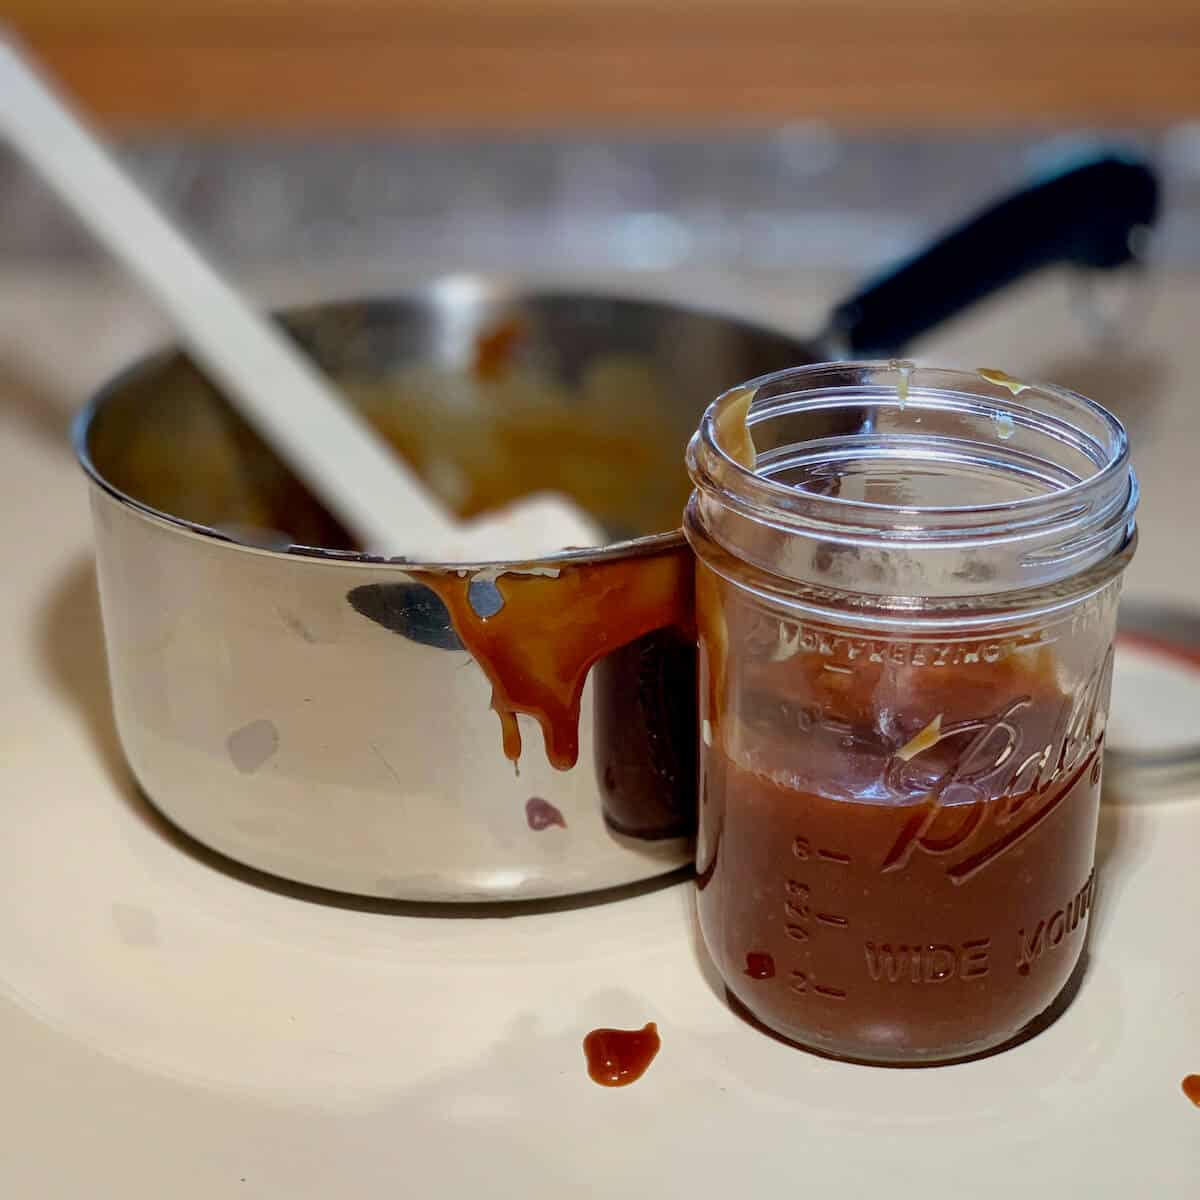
<point>919,895</point>
<point>905,661</point>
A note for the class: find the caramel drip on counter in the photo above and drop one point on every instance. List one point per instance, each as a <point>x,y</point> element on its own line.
<point>536,651</point>
<point>541,814</point>
<point>1191,1089</point>
<point>618,1057</point>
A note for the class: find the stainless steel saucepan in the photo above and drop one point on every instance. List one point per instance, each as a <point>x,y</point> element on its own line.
<point>315,713</point>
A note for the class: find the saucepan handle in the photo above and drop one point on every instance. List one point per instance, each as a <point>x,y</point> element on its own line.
<point>1087,214</point>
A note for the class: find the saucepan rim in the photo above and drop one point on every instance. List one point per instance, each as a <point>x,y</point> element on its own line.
<point>486,287</point>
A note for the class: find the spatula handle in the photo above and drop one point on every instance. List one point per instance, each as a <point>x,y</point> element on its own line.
<point>356,475</point>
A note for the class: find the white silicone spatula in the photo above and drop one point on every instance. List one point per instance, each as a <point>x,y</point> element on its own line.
<point>279,392</point>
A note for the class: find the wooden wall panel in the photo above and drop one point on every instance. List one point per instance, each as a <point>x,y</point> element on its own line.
<point>332,64</point>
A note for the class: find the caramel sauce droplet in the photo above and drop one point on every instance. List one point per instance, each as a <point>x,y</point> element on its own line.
<point>618,1057</point>
<point>759,966</point>
<point>1191,1089</point>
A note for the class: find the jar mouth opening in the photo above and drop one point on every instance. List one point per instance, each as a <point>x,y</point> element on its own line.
<point>922,480</point>
<point>904,395</point>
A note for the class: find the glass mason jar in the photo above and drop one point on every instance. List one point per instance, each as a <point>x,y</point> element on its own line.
<point>907,584</point>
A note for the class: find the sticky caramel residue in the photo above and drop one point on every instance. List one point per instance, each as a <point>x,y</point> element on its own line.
<point>733,434</point>
<point>904,370</point>
<point>1001,379</point>
<point>536,651</point>
<point>1191,1089</point>
<point>714,641</point>
<point>925,740</point>
<point>484,438</point>
<point>495,348</point>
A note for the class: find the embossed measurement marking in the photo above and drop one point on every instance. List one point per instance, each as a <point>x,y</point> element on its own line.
<point>803,849</point>
<point>802,918</point>
<point>834,856</point>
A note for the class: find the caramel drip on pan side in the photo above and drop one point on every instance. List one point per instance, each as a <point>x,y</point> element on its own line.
<point>536,651</point>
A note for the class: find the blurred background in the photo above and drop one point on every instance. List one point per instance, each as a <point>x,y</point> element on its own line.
<point>420,135</point>
<point>756,156</point>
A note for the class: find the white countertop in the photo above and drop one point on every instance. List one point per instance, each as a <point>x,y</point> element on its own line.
<point>168,1026</point>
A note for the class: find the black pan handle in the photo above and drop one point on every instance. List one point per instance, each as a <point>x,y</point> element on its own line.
<point>1085,215</point>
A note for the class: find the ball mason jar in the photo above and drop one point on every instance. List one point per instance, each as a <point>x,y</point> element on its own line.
<point>907,583</point>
